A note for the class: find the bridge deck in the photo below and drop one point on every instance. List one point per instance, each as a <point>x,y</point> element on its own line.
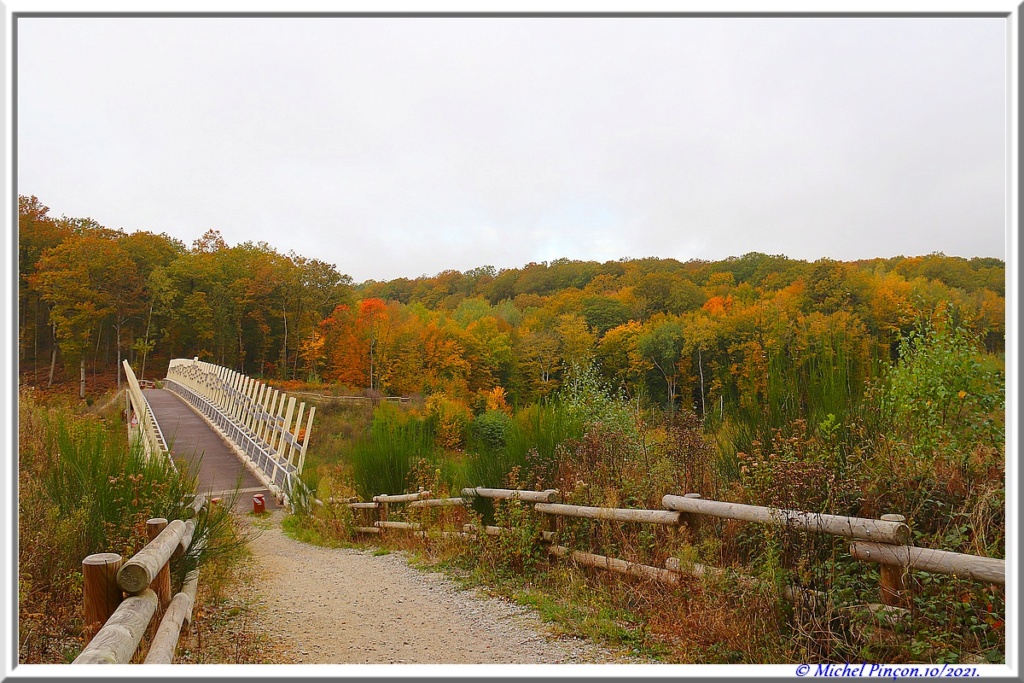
<point>191,439</point>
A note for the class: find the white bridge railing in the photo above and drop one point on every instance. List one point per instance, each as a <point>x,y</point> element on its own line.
<point>142,425</point>
<point>255,419</point>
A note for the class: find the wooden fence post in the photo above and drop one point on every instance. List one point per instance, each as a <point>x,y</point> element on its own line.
<point>552,527</point>
<point>161,584</point>
<point>692,519</point>
<point>893,577</point>
<point>100,593</point>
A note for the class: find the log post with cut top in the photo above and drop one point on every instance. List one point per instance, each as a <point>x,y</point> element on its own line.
<point>100,593</point>
<point>691,519</point>
<point>893,577</point>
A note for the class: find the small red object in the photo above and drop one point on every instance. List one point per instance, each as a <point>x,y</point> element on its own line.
<point>258,504</point>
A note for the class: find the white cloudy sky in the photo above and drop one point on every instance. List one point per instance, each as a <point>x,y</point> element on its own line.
<point>398,147</point>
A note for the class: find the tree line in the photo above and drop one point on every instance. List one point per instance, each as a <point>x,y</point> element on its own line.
<point>765,337</point>
<point>89,296</point>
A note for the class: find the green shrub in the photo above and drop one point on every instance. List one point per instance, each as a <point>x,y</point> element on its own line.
<point>489,431</point>
<point>944,393</point>
<point>516,552</point>
<point>531,440</point>
<point>449,421</point>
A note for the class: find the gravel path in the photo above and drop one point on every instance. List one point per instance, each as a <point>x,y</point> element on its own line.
<point>346,606</point>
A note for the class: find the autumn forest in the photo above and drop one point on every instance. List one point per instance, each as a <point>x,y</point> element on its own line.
<point>858,388</point>
<point>698,334</point>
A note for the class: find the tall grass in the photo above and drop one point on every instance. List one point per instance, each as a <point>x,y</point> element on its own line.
<point>530,441</point>
<point>382,462</point>
<point>106,485</point>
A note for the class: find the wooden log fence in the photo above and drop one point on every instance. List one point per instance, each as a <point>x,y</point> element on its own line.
<point>262,424</point>
<point>437,502</point>
<point>115,623</point>
<point>610,514</point>
<point>885,541</point>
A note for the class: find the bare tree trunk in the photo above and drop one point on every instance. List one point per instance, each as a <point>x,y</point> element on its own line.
<point>284,345</point>
<point>118,344</point>
<point>53,356</point>
<point>53,365</point>
<point>700,366</point>
<point>96,354</point>
<point>145,345</point>
<point>81,389</point>
<point>35,345</point>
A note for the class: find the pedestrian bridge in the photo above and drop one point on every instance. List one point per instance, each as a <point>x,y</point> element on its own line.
<point>236,433</point>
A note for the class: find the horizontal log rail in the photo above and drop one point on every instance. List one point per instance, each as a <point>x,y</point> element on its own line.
<point>610,514</point>
<point>794,594</point>
<point>987,569</point>
<point>137,573</point>
<point>122,621</point>
<point>615,565</point>
<point>161,650</point>
<point>120,636</point>
<point>437,502</point>
<point>412,526</point>
<point>882,531</point>
<point>548,496</point>
<point>401,498</point>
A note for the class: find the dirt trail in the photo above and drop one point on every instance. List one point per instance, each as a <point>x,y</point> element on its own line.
<point>346,606</point>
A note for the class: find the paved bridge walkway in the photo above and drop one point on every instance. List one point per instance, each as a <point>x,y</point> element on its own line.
<point>190,438</point>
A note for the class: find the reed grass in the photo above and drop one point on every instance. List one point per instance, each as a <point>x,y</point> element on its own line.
<point>382,462</point>
<point>107,486</point>
<point>531,440</point>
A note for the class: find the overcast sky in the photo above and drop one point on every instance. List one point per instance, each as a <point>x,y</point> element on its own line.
<point>401,147</point>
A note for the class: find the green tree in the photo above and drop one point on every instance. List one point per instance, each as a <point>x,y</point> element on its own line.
<point>661,343</point>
